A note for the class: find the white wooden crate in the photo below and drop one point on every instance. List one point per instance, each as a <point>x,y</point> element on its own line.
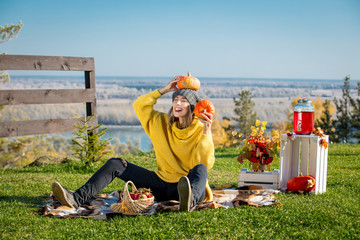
<point>303,154</point>
<point>264,179</point>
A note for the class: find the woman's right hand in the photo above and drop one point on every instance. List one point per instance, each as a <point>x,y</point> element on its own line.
<point>171,86</point>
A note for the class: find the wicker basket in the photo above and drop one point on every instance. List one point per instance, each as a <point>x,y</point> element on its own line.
<point>130,206</point>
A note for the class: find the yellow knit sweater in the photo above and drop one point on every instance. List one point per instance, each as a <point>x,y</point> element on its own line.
<point>179,150</point>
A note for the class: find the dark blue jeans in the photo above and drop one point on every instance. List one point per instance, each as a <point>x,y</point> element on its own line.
<point>142,178</point>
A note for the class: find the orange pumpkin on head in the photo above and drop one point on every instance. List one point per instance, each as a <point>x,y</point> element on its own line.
<point>188,82</point>
<point>204,106</point>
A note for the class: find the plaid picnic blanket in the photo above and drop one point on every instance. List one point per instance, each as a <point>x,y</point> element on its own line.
<point>100,206</point>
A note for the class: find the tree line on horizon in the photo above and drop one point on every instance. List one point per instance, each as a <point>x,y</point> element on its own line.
<point>343,128</point>
<point>339,118</point>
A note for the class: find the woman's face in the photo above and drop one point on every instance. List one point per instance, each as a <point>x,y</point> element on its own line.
<point>180,106</point>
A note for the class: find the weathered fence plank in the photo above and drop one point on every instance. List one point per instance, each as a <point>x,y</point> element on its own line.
<point>46,96</point>
<point>29,62</point>
<point>33,127</point>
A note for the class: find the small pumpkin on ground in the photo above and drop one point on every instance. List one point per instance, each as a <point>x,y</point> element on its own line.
<point>301,184</point>
<point>188,82</point>
<point>204,106</point>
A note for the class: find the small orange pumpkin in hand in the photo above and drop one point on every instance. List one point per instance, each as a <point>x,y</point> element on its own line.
<point>204,106</point>
<point>188,82</point>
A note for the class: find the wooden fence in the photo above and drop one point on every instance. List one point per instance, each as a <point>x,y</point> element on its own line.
<point>47,96</point>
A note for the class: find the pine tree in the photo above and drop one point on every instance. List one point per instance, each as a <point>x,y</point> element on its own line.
<point>6,34</point>
<point>87,145</point>
<point>325,121</point>
<point>355,115</point>
<point>343,122</point>
<point>246,117</point>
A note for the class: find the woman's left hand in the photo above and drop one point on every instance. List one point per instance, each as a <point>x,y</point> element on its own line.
<point>207,121</point>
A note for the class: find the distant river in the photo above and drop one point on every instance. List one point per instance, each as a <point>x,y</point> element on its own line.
<point>129,133</point>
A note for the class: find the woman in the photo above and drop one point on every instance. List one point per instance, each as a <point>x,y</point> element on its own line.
<point>184,152</point>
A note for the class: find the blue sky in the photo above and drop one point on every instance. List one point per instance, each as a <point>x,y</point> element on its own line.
<point>260,38</point>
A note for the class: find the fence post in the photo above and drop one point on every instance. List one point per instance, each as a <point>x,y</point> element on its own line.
<point>90,106</point>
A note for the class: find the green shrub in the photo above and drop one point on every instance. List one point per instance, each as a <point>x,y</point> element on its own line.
<point>87,145</point>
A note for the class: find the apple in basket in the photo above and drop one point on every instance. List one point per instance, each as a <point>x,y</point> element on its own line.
<point>143,196</point>
<point>134,196</point>
<point>141,193</point>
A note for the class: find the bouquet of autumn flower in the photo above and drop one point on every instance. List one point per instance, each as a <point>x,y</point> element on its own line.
<point>259,148</point>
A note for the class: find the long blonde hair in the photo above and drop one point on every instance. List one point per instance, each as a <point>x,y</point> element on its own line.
<point>188,118</point>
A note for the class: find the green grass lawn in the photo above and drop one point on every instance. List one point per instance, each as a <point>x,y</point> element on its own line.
<point>331,215</point>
